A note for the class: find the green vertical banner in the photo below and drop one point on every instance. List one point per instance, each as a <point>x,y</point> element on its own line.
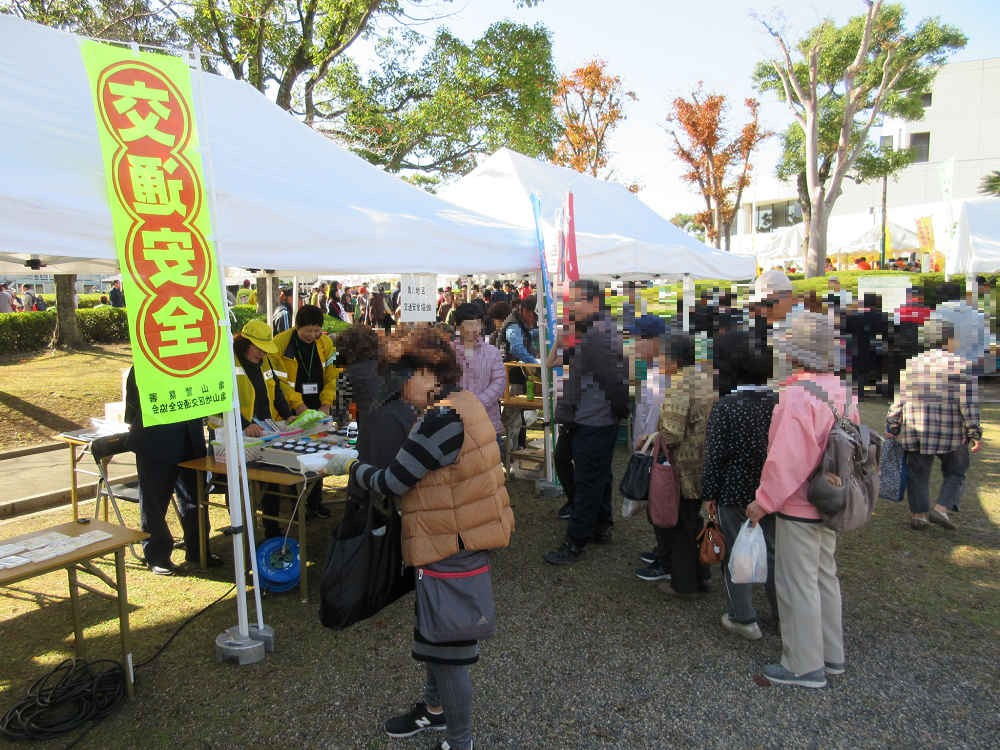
<point>158,205</point>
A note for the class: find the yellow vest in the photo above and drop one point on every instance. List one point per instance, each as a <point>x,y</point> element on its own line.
<point>246,393</point>
<point>286,369</point>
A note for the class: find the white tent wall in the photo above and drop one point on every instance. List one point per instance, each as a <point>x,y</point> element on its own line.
<point>977,238</point>
<point>617,235</point>
<point>287,197</point>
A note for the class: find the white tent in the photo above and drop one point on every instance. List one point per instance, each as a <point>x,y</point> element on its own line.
<point>844,235</point>
<point>789,244</point>
<point>289,199</point>
<point>977,238</point>
<point>617,235</point>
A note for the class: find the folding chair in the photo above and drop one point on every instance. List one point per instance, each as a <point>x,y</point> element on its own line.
<point>104,449</point>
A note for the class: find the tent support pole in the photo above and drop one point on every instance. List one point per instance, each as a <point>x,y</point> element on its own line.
<point>688,287</point>
<point>543,350</point>
<point>236,642</point>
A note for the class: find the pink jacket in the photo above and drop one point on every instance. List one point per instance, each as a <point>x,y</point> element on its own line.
<point>484,376</point>
<point>800,428</point>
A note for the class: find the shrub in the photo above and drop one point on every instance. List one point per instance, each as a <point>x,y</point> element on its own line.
<point>246,313</point>
<point>105,325</point>
<point>22,332</point>
<point>86,300</point>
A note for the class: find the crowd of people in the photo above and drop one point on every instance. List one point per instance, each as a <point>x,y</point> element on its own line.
<point>732,401</point>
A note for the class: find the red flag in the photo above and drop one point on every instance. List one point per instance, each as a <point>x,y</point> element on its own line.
<point>571,271</point>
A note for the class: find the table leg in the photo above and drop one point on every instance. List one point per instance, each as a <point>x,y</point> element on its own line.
<point>74,597</point>
<point>303,557</point>
<point>73,491</point>
<point>123,628</point>
<point>200,478</point>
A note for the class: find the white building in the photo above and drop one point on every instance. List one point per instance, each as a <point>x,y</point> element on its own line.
<point>961,123</point>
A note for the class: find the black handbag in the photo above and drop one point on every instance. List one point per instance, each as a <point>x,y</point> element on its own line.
<point>635,482</point>
<point>363,572</point>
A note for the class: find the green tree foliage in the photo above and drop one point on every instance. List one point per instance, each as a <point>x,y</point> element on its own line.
<point>991,184</point>
<point>142,21</point>
<point>460,100</point>
<point>837,81</point>
<point>688,224</point>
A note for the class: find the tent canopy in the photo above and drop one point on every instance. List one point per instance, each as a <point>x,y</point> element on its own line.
<point>977,239</point>
<point>288,198</point>
<point>844,235</point>
<point>617,235</point>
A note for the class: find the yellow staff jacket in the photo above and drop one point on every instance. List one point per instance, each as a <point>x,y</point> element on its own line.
<point>286,368</point>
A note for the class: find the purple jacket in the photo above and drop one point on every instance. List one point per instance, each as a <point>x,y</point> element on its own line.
<point>484,376</point>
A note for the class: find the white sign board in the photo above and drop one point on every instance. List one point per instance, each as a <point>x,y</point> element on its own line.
<point>418,298</point>
<point>892,290</point>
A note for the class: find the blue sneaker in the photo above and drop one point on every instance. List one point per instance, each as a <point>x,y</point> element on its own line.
<point>654,572</point>
<point>648,557</point>
<point>777,674</point>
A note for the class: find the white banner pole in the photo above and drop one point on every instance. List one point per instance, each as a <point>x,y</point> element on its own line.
<point>237,644</point>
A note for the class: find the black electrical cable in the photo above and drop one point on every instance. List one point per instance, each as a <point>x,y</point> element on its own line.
<point>75,692</point>
<point>183,625</point>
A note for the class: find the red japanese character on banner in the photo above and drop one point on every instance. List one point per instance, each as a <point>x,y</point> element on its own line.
<point>166,255</point>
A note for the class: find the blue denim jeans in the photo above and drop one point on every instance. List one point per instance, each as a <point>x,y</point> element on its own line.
<point>954,465</point>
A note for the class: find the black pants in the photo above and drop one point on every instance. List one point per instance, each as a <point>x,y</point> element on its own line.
<point>677,548</point>
<point>562,458</point>
<point>157,482</point>
<point>386,323</point>
<point>593,453</point>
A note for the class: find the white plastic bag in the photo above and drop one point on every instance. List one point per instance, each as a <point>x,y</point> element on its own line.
<point>632,508</point>
<point>748,555</point>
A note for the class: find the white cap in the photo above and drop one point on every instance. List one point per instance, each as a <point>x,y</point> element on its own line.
<point>770,284</point>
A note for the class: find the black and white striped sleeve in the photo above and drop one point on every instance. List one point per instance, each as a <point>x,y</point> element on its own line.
<point>436,442</point>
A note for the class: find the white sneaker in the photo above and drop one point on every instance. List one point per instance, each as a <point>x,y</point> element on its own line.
<point>751,632</point>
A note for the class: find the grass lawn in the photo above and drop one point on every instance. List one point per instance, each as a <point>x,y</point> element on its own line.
<point>586,656</point>
<point>51,391</point>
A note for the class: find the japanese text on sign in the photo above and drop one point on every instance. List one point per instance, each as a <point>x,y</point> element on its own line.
<point>417,298</point>
<point>155,185</point>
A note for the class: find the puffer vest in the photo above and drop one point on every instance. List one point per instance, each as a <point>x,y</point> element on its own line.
<point>465,500</point>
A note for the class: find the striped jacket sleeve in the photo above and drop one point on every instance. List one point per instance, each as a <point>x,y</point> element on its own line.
<point>434,443</point>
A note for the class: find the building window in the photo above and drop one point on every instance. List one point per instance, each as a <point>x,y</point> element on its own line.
<point>920,145</point>
<point>885,143</point>
<point>926,98</point>
<point>773,216</point>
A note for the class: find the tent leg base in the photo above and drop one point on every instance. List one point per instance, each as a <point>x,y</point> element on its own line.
<point>232,645</point>
<point>546,488</point>
<point>264,635</point>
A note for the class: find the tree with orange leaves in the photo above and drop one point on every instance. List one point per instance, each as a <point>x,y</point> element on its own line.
<point>590,104</point>
<point>717,165</point>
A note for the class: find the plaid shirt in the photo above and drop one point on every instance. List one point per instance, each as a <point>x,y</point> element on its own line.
<point>938,406</point>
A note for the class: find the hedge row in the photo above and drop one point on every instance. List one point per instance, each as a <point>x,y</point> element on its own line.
<point>86,300</point>
<point>27,331</point>
<point>245,313</point>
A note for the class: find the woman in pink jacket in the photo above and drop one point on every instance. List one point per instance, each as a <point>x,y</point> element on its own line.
<point>481,363</point>
<point>812,637</point>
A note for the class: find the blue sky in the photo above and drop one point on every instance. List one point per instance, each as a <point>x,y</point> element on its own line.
<point>662,48</point>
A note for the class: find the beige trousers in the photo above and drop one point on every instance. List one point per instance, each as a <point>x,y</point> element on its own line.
<point>808,596</point>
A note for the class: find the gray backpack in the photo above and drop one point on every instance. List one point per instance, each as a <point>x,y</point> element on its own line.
<point>845,484</point>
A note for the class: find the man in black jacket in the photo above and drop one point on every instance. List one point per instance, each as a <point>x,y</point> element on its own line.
<point>158,449</point>
<point>116,295</point>
<point>594,401</point>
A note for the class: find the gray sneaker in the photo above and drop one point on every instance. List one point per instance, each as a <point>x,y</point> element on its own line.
<point>833,667</point>
<point>942,520</point>
<point>750,631</point>
<point>781,676</point>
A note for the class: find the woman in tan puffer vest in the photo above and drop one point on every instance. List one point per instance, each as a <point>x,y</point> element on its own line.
<point>454,507</point>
